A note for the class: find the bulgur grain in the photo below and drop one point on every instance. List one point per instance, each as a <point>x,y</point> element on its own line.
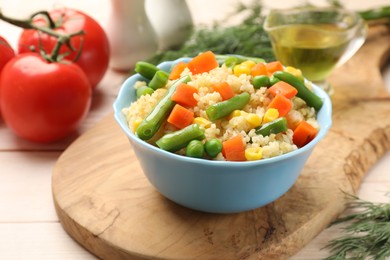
<point>226,128</point>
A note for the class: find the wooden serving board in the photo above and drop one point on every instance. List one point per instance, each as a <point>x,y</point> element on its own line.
<point>106,204</point>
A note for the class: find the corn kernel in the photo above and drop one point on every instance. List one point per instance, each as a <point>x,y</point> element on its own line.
<point>294,71</point>
<point>253,153</point>
<point>253,119</point>
<point>139,84</point>
<point>270,115</point>
<point>136,123</point>
<point>249,63</point>
<point>243,113</point>
<point>241,69</point>
<point>235,113</point>
<point>202,122</point>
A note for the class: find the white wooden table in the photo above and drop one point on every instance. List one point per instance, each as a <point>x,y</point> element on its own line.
<point>29,227</point>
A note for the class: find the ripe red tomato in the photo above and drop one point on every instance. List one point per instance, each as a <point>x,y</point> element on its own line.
<point>6,53</point>
<point>95,52</point>
<point>43,101</point>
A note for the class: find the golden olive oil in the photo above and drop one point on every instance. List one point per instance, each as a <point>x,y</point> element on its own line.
<point>315,49</point>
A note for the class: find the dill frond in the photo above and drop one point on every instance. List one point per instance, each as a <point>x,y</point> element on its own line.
<point>367,235</point>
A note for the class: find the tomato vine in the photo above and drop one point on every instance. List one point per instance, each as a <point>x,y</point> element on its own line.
<point>62,38</point>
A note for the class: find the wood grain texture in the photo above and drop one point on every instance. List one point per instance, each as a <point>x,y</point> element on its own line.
<point>106,204</point>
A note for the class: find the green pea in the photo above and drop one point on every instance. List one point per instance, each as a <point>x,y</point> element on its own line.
<point>144,90</point>
<point>213,147</point>
<point>261,81</point>
<point>195,149</point>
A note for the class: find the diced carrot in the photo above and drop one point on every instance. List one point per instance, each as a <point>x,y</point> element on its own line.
<point>180,116</point>
<point>224,90</point>
<point>234,149</point>
<point>273,67</point>
<point>184,95</point>
<point>282,104</point>
<point>303,134</point>
<point>204,62</point>
<point>283,88</point>
<point>259,69</point>
<point>177,70</point>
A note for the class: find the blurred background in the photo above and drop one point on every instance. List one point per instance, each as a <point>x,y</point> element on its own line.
<point>25,196</point>
<point>206,10</point>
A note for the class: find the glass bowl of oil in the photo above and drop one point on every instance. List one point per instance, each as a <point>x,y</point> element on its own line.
<point>315,40</point>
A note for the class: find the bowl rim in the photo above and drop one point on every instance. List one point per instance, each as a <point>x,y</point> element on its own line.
<point>326,109</point>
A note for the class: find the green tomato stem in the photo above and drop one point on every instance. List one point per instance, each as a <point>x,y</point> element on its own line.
<point>61,37</point>
<point>47,16</point>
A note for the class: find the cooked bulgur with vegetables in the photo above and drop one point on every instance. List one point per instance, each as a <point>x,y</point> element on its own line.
<point>220,107</point>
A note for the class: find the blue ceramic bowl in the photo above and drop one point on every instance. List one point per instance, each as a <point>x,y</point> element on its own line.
<point>218,186</point>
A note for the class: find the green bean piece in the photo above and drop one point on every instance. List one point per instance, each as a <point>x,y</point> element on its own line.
<point>146,69</point>
<point>174,141</point>
<point>274,127</point>
<point>224,108</point>
<point>273,80</point>
<point>195,149</point>
<point>213,147</point>
<point>144,90</point>
<point>232,60</point>
<point>159,80</point>
<point>150,125</point>
<point>261,81</point>
<point>304,93</point>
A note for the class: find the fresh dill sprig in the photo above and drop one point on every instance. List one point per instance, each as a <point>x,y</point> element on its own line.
<point>335,3</point>
<point>247,38</point>
<point>367,235</point>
